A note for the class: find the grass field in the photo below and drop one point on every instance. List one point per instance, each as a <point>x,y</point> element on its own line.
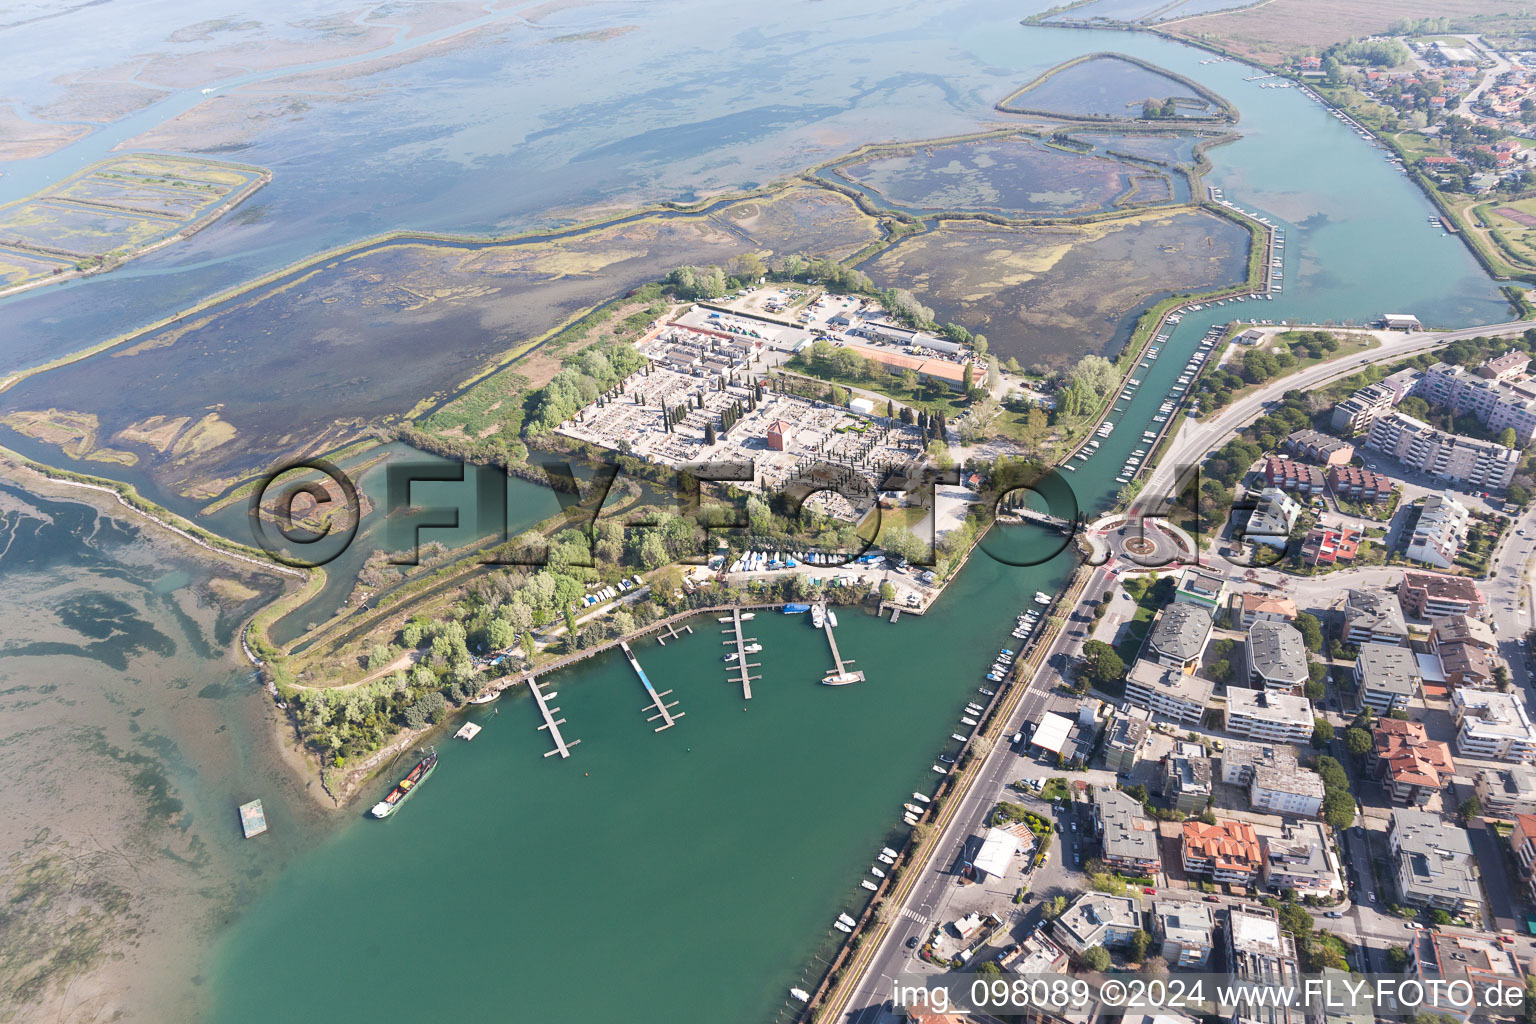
<point>1271,32</point>
<point>1515,222</point>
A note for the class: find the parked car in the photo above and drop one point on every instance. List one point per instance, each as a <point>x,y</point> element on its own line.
<point>1213,899</point>
<point>1149,890</point>
<point>912,942</point>
<point>1334,914</point>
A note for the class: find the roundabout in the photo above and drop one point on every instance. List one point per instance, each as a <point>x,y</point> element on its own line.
<point>1145,542</point>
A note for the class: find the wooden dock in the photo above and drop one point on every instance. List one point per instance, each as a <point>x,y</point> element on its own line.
<point>253,819</point>
<point>550,722</point>
<point>663,710</point>
<point>672,633</point>
<point>739,669</point>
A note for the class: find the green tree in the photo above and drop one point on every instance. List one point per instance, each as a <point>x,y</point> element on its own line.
<point>1311,630</point>
<point>968,377</point>
<point>887,592</point>
<point>1508,439</point>
<point>1140,941</point>
<point>1096,958</point>
<point>1339,809</point>
<point>1397,959</point>
<point>1358,741</point>
<point>1470,808</point>
<point>1101,665</point>
<point>1322,732</point>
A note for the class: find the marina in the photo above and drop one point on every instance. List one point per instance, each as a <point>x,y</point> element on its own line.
<point>840,674</point>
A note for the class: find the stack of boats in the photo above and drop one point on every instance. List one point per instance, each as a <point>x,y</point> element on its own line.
<point>757,561</point>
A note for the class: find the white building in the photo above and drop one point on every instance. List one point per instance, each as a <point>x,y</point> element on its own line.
<point>1453,457</point>
<point>1269,715</point>
<point>1271,521</point>
<point>1298,793</point>
<point>1440,533</point>
<point>1168,692</point>
<point>1493,726</point>
<point>1386,677</point>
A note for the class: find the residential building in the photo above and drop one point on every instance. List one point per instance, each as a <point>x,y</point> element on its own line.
<point>1434,863</point>
<point>1488,397</point>
<point>1421,447</point>
<point>1492,726</point>
<point>1184,932</point>
<point>1294,476</point>
<point>1178,636</point>
<point>1523,843</point>
<point>1128,837</point>
<point>1035,953</point>
<point>1386,677</point>
<point>1506,792</point>
<point>1241,761</point>
<point>1459,629</point>
<point>1226,852</point>
<point>1356,413</point>
<point>1169,692</point>
<point>1466,665</point>
<point>1411,766</point>
<point>1201,587</point>
<point>1186,781</point>
<point>1269,715</point>
<point>1273,517</point>
<point>1358,484</point>
<point>1440,532</point>
<point>1260,952</point>
<point>1298,793</point>
<point>1300,859</point>
<point>1441,959</point>
<point>1426,595</point>
<point>1371,616</point>
<point>1330,545</point>
<point>1277,656</point>
<point>1125,739</point>
<point>1097,919</point>
<point>1320,447</point>
<point>1253,608</point>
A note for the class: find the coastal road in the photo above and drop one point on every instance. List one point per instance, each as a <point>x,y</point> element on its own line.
<point>1197,438</point>
<point>998,768</point>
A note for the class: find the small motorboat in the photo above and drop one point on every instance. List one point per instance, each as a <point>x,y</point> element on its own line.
<point>800,994</point>
<point>732,656</point>
<point>841,927</point>
<point>876,872</point>
<point>989,693</point>
<point>920,798</point>
<point>871,886</point>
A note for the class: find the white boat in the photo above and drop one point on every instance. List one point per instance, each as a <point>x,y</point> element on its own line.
<point>725,618</point>
<point>883,859</point>
<point>753,648</point>
<point>486,698</point>
<point>912,809</point>
<point>941,771</point>
<point>876,871</point>
<point>747,615</point>
<point>841,927</point>
<point>732,657</point>
<point>1042,598</point>
<point>958,738</point>
<point>846,919</point>
<point>920,798</point>
<point>887,851</point>
<point>818,615</point>
<point>871,886</point>
<point>800,994</point>
<point>831,617</point>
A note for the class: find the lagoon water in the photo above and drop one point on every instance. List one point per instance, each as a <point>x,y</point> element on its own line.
<point>696,872</point>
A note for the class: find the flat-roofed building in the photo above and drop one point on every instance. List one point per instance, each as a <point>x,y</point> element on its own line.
<point>1506,792</point>
<point>1260,952</point>
<point>1386,677</point>
<point>1241,761</point>
<point>1269,715</point>
<point>1184,932</point>
<point>1489,397</point>
<point>1178,636</point>
<point>1441,959</point>
<point>1522,842</point>
<point>1411,766</point>
<point>1035,953</point>
<point>1226,852</point>
<point>1371,616</point>
<point>1186,782</point>
<point>1301,859</point>
<point>1298,793</point>
<point>1168,692</point>
<point>1125,739</point>
<point>1277,656</point>
<point>1253,608</point>
<point>1434,863</point>
<point>1426,595</point>
<point>1127,837</point>
<point>1097,919</point>
<point>1493,726</point>
<point>1201,587</point>
<point>1452,457</point>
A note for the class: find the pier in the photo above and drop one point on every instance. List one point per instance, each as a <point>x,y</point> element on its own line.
<point>550,722</point>
<point>663,710</point>
<point>672,633</point>
<point>739,668</point>
<point>840,674</point>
